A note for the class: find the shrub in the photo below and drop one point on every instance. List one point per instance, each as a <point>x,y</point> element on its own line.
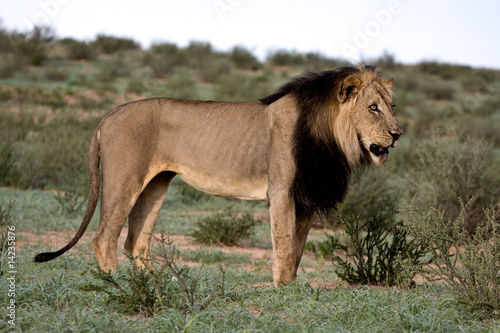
<point>314,61</point>
<point>199,53</point>
<point>467,264</point>
<point>445,71</point>
<point>285,58</point>
<point>78,50</point>
<point>215,70</point>
<point>180,85</point>
<point>10,63</point>
<point>371,192</point>
<point>224,228</point>
<point>148,291</point>
<point>33,48</point>
<point>370,257</point>
<point>387,61</point>
<point>111,45</point>
<point>451,167</point>
<point>244,59</point>
<point>164,58</point>
<point>72,201</point>
<point>111,70</point>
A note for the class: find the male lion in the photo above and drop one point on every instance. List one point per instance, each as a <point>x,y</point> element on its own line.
<point>294,149</point>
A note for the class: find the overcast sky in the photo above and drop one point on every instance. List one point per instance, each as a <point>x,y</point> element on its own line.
<point>459,31</point>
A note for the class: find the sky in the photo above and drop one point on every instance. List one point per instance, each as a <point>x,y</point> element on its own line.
<point>459,32</point>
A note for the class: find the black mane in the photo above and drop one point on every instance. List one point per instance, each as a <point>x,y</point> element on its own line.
<point>322,173</point>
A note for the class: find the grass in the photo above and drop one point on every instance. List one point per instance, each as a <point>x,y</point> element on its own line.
<point>50,299</point>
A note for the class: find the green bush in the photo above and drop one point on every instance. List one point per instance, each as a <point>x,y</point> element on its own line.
<point>468,265</point>
<point>244,59</point>
<point>72,201</point>
<point>199,53</point>
<point>371,192</point>
<point>10,63</point>
<point>283,57</point>
<point>111,70</point>
<point>149,291</point>
<point>224,228</point>
<point>443,70</point>
<point>215,70</point>
<point>439,90</point>
<point>111,45</point>
<point>180,85</point>
<point>164,58</point>
<point>78,50</point>
<point>365,254</point>
<point>314,61</point>
<point>451,167</point>
<point>34,47</point>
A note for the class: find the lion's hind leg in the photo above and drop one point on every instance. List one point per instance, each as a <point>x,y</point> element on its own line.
<point>142,218</point>
<point>118,198</point>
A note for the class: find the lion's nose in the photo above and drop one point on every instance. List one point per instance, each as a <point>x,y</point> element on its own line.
<point>395,135</point>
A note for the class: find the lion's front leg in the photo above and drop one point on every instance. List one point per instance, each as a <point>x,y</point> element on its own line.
<point>284,239</point>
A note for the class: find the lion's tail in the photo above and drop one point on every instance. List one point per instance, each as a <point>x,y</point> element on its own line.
<point>93,198</point>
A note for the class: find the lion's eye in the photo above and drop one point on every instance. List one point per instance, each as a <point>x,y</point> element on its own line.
<point>374,108</point>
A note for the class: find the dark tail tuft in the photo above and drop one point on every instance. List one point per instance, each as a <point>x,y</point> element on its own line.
<point>46,256</point>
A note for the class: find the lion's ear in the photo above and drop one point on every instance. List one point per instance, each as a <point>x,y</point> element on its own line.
<point>388,84</point>
<point>349,88</point>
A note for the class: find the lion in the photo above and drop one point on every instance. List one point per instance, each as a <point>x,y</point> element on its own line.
<point>294,149</point>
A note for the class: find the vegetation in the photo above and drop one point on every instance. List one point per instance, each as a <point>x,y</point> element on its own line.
<point>224,228</point>
<point>147,290</point>
<point>364,254</point>
<point>467,264</point>
<point>54,91</point>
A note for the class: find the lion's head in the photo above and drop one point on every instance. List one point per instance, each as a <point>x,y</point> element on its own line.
<point>345,120</point>
<point>366,123</point>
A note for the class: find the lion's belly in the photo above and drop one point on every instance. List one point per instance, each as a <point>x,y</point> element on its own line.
<point>252,188</point>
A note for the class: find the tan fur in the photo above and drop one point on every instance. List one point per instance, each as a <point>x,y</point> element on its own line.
<point>241,150</point>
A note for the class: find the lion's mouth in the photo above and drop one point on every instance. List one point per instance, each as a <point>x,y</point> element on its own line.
<point>379,150</point>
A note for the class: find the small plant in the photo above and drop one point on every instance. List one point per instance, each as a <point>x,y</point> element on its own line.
<point>224,228</point>
<point>468,265</point>
<point>368,256</point>
<point>71,201</point>
<point>147,290</point>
